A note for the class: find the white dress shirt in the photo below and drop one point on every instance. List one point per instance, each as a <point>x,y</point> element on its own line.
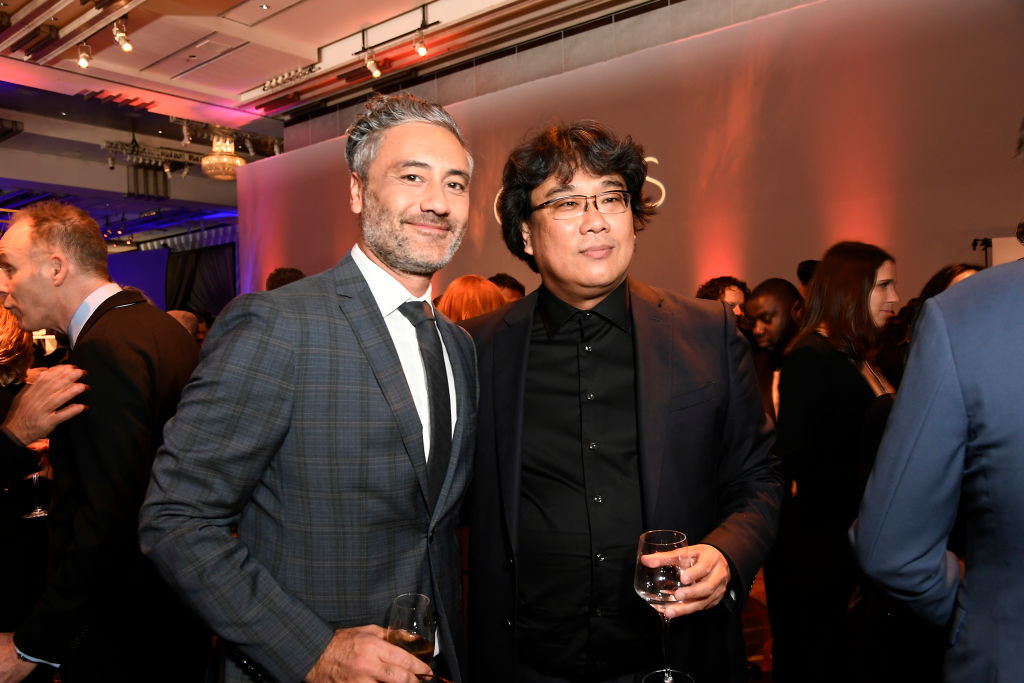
<point>389,294</point>
<point>88,307</point>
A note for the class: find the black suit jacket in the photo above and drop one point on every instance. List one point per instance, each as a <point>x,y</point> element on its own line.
<point>103,611</point>
<point>705,467</point>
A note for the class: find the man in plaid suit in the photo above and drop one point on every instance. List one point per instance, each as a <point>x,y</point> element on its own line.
<point>307,425</point>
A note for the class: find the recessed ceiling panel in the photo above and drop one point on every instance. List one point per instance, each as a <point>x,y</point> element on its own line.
<point>245,68</point>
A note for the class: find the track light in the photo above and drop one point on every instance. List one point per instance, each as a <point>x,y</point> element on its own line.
<point>277,148</point>
<point>184,171</point>
<point>371,66</point>
<point>185,137</point>
<point>121,35</point>
<point>167,170</point>
<point>418,45</point>
<point>110,161</point>
<point>84,55</point>
<point>249,147</point>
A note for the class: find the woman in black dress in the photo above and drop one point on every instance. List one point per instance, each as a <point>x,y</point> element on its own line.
<point>828,388</point>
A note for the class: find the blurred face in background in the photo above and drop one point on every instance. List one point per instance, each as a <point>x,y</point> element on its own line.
<point>883,299</point>
<point>734,299</point>
<point>774,322</point>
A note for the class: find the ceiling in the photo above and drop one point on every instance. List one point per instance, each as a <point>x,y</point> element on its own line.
<point>231,62</point>
<point>242,65</point>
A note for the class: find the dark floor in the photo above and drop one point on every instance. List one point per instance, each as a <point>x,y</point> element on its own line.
<point>757,634</point>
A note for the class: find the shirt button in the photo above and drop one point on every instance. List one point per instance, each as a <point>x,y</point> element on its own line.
<point>600,557</point>
<point>586,315</point>
<point>592,446</point>
<point>588,347</point>
<point>589,396</point>
<point>598,498</point>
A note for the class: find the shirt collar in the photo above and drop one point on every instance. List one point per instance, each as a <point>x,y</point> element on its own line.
<point>614,308</point>
<point>388,292</point>
<point>88,307</point>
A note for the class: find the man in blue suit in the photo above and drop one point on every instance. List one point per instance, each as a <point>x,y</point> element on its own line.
<point>310,425</point>
<point>955,441</point>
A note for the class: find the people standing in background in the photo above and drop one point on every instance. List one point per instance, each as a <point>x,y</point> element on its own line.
<point>279,277</point>
<point>774,310</point>
<point>829,384</point>
<point>104,615</point>
<point>607,407</point>
<point>317,426</point>
<point>469,296</point>
<point>731,291</point>
<point>511,288</point>
<point>804,272</point>
<point>188,320</point>
<point>896,337</point>
<point>953,447</point>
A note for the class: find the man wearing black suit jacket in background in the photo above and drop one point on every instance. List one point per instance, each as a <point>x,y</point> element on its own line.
<point>104,615</point>
<point>607,407</point>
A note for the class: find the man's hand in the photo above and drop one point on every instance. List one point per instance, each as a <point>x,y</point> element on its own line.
<point>705,577</point>
<point>43,405</point>
<point>12,668</point>
<point>362,655</point>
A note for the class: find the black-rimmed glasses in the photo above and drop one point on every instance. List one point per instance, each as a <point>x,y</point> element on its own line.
<point>613,201</point>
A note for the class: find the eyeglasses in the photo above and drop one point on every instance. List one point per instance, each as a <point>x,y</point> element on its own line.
<point>613,201</point>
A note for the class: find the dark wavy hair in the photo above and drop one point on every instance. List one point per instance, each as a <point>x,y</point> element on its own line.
<point>837,298</point>
<point>561,151</point>
<point>714,288</point>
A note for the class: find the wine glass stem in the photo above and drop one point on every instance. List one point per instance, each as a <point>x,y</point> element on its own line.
<point>665,622</point>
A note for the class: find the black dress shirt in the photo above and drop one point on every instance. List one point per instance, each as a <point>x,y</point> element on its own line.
<point>581,508</point>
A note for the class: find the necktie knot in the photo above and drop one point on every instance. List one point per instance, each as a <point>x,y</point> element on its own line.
<point>417,312</point>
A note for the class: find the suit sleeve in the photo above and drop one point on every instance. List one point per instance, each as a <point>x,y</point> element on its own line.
<point>750,486</point>
<point>233,416</point>
<point>911,499</point>
<point>112,443</point>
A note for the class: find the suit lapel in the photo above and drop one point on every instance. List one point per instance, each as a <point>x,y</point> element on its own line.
<point>465,397</point>
<point>360,309</point>
<point>653,344</point>
<point>508,371</point>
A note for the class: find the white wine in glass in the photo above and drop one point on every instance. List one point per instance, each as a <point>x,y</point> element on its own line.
<point>657,585</point>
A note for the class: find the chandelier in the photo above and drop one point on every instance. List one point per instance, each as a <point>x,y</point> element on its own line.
<point>222,163</point>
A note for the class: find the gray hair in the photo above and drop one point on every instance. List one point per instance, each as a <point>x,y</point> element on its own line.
<point>387,111</point>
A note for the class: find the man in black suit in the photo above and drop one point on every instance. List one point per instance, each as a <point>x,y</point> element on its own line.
<point>104,615</point>
<point>607,407</point>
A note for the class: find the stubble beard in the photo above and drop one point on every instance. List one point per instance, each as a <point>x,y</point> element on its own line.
<point>383,233</point>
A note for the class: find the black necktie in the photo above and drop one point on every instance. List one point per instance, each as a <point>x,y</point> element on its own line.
<point>421,315</point>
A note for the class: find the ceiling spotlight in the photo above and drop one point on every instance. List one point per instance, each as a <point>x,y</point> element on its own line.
<point>84,55</point>
<point>184,171</point>
<point>167,169</point>
<point>110,161</point>
<point>418,45</point>
<point>371,66</point>
<point>121,35</point>
<point>249,147</point>
<point>185,137</point>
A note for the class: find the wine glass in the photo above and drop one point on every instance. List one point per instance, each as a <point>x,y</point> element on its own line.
<point>39,510</point>
<point>411,626</point>
<point>657,585</point>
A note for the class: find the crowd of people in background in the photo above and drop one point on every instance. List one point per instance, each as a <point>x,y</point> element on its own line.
<point>317,460</point>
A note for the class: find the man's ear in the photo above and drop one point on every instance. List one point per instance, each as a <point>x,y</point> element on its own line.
<point>355,192</point>
<point>525,231</point>
<point>797,309</point>
<point>57,268</point>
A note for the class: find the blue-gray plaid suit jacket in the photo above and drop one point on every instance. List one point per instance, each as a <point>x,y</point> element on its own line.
<point>299,427</point>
